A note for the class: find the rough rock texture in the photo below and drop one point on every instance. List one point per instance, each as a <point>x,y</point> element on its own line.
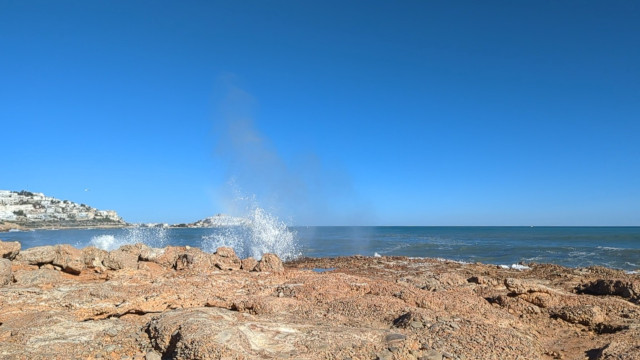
<point>249,264</point>
<point>177,303</point>
<point>623,288</point>
<point>270,262</point>
<point>70,259</point>
<point>5,272</point>
<point>38,255</point>
<point>121,259</point>
<point>9,249</point>
<point>225,258</point>
<point>93,257</point>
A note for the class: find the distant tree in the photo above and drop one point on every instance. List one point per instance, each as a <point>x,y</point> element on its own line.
<point>19,213</point>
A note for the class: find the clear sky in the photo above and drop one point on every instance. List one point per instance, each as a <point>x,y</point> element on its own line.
<point>329,112</point>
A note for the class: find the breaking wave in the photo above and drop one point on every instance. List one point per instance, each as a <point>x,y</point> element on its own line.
<point>154,237</point>
<point>263,233</point>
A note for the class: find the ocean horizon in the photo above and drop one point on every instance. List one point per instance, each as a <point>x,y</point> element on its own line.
<point>572,246</point>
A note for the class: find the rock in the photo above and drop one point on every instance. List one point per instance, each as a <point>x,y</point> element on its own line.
<point>431,355</point>
<point>152,355</point>
<point>395,337</point>
<point>519,287</point>
<point>626,289</point>
<point>5,272</point>
<point>384,355</point>
<point>70,259</point>
<point>249,264</point>
<point>93,257</point>
<point>188,337</point>
<point>121,259</point>
<point>406,320</point>
<point>588,315</point>
<point>38,255</point>
<point>135,249</point>
<point>168,257</point>
<point>150,254</point>
<point>9,249</point>
<point>37,277</point>
<point>271,263</point>
<point>621,349</point>
<point>193,259</point>
<point>226,259</point>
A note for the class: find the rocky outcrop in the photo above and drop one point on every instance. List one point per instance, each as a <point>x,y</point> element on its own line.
<point>626,289</point>
<point>270,262</point>
<point>25,209</point>
<point>139,302</point>
<point>219,220</point>
<point>38,255</point>
<point>5,272</point>
<point>9,249</point>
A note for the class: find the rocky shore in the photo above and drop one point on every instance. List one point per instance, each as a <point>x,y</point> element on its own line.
<point>137,302</point>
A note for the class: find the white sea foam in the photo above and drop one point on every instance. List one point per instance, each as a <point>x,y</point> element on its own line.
<point>375,254</point>
<point>154,237</point>
<point>454,261</point>
<point>105,242</point>
<point>515,267</point>
<point>610,248</point>
<point>263,233</point>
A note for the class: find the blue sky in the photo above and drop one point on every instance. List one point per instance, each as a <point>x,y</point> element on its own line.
<point>329,112</point>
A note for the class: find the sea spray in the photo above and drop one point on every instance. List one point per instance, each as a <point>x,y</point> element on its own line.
<point>154,237</point>
<point>263,233</point>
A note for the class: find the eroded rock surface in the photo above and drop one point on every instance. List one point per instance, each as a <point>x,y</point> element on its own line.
<point>181,303</point>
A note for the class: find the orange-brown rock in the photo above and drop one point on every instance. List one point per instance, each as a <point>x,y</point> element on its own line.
<point>177,303</point>
<point>270,262</point>
<point>69,259</point>
<point>5,272</point>
<point>249,264</point>
<point>9,249</point>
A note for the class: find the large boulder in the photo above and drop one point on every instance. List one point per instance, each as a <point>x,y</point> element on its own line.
<point>38,255</point>
<point>623,288</point>
<point>193,259</point>
<point>588,315</point>
<point>93,257</point>
<point>5,272</point>
<point>70,259</point>
<point>135,249</point>
<point>150,254</point>
<point>249,264</point>
<point>271,263</point>
<point>37,277</point>
<point>121,259</point>
<point>226,259</point>
<point>167,258</point>
<point>9,249</point>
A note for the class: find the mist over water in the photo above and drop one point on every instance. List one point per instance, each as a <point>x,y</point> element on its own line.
<point>264,233</point>
<point>154,237</point>
<point>304,190</point>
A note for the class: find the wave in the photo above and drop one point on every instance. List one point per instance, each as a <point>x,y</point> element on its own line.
<point>610,248</point>
<point>154,237</point>
<point>263,233</point>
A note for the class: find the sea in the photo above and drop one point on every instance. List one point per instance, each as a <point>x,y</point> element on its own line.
<point>614,247</point>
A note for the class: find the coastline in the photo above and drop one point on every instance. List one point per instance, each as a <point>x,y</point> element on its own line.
<point>179,302</point>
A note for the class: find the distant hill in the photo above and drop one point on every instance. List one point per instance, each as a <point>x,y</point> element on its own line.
<point>219,220</point>
<point>35,210</point>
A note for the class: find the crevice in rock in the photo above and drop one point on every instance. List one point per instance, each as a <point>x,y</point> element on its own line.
<point>602,328</point>
<point>170,352</point>
<point>594,354</point>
